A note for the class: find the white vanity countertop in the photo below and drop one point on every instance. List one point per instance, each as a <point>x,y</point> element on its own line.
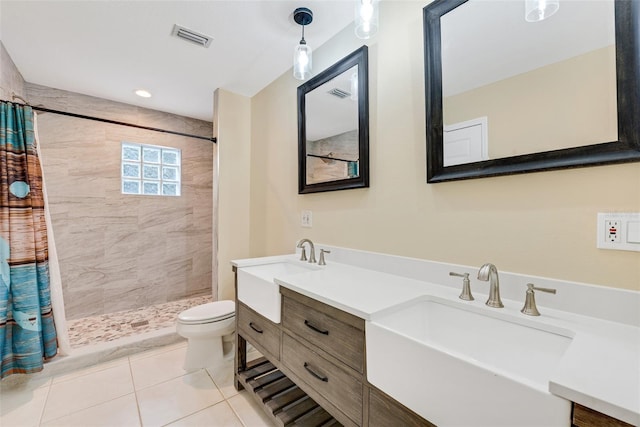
<point>600,370</point>
<point>359,291</point>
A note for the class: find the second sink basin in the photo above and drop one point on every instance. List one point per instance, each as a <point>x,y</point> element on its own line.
<point>257,289</point>
<point>460,365</point>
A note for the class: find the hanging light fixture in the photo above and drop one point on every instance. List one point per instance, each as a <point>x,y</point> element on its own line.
<point>366,18</point>
<point>539,10</point>
<point>302,54</point>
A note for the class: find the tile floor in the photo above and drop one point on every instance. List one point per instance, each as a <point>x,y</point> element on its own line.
<point>146,389</point>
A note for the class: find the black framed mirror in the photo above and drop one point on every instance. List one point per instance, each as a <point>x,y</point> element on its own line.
<point>616,138</point>
<point>333,127</point>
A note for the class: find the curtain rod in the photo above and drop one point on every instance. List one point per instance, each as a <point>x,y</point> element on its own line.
<point>113,122</point>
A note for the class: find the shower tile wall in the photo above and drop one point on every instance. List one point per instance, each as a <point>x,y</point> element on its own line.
<point>119,252</point>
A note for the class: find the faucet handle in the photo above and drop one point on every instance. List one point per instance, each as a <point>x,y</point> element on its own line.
<point>303,254</point>
<point>530,308</point>
<point>466,286</point>
<point>321,260</point>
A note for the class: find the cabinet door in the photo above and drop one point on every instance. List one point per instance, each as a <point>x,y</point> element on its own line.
<point>263,334</point>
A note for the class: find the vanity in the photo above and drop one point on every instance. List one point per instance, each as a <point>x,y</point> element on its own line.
<point>349,344</point>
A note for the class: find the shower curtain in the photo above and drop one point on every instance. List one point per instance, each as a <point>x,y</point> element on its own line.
<point>27,330</point>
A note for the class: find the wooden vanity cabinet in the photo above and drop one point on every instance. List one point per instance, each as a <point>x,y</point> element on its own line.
<point>385,411</point>
<point>587,417</point>
<point>313,372</point>
<point>323,350</point>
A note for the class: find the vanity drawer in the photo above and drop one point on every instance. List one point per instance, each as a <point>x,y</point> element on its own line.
<point>259,331</point>
<point>319,324</point>
<point>330,381</point>
<point>587,417</point>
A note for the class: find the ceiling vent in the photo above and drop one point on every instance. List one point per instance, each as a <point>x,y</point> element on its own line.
<point>191,36</point>
<point>339,93</point>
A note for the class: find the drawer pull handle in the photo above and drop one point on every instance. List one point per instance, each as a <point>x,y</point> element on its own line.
<point>255,328</point>
<point>312,372</point>
<point>315,328</point>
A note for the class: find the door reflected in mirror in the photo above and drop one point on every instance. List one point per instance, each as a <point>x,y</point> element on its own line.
<point>537,86</point>
<point>333,127</point>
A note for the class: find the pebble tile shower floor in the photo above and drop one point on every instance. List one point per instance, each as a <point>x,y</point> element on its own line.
<point>113,326</point>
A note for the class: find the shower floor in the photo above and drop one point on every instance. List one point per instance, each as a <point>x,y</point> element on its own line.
<point>112,326</point>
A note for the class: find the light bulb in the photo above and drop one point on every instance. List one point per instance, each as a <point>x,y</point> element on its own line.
<point>366,10</point>
<point>539,10</point>
<point>366,20</point>
<point>302,61</point>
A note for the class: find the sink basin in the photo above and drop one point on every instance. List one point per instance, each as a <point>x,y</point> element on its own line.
<point>257,289</point>
<point>455,364</point>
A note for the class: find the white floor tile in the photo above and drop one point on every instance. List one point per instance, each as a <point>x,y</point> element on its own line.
<point>159,350</point>
<point>222,375</point>
<point>24,382</point>
<point>90,369</point>
<point>248,411</point>
<point>158,368</point>
<point>88,390</point>
<point>219,415</point>
<point>177,398</point>
<point>121,412</point>
<point>22,408</point>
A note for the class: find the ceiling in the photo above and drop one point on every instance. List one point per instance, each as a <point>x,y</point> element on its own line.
<point>109,49</point>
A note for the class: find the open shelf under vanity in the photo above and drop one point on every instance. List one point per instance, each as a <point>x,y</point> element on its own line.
<point>282,399</point>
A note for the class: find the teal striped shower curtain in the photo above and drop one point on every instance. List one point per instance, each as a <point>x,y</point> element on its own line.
<point>27,331</point>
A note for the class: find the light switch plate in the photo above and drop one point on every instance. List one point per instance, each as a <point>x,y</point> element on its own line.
<point>306,219</point>
<point>619,231</point>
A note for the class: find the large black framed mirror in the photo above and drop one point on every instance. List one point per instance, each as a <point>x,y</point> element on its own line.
<point>333,127</point>
<point>463,48</point>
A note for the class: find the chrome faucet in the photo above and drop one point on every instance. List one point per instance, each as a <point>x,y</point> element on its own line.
<point>490,272</point>
<point>312,250</point>
<point>530,308</point>
<point>321,260</point>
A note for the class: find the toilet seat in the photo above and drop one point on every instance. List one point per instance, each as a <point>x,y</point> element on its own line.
<point>208,313</point>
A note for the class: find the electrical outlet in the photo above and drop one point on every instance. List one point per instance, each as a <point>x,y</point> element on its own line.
<point>307,219</point>
<point>612,230</point>
<point>619,231</point>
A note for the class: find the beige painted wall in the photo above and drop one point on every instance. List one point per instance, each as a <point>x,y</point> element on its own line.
<point>120,252</point>
<point>567,104</point>
<point>11,80</point>
<point>232,124</point>
<point>540,223</point>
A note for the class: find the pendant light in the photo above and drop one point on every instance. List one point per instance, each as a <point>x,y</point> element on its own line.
<point>302,60</point>
<point>366,19</point>
<point>539,10</point>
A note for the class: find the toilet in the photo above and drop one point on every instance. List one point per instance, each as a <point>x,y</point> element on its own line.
<point>204,326</point>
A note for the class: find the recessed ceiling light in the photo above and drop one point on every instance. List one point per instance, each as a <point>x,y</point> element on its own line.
<point>143,93</point>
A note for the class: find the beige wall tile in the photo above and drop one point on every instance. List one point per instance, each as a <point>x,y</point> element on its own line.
<point>120,252</point>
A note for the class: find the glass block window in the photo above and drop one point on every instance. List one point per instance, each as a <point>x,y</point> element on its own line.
<point>150,170</point>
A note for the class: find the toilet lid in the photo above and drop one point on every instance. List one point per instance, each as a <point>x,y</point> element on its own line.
<point>217,310</point>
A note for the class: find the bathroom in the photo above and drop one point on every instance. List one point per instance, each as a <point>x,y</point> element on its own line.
<point>539,224</point>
